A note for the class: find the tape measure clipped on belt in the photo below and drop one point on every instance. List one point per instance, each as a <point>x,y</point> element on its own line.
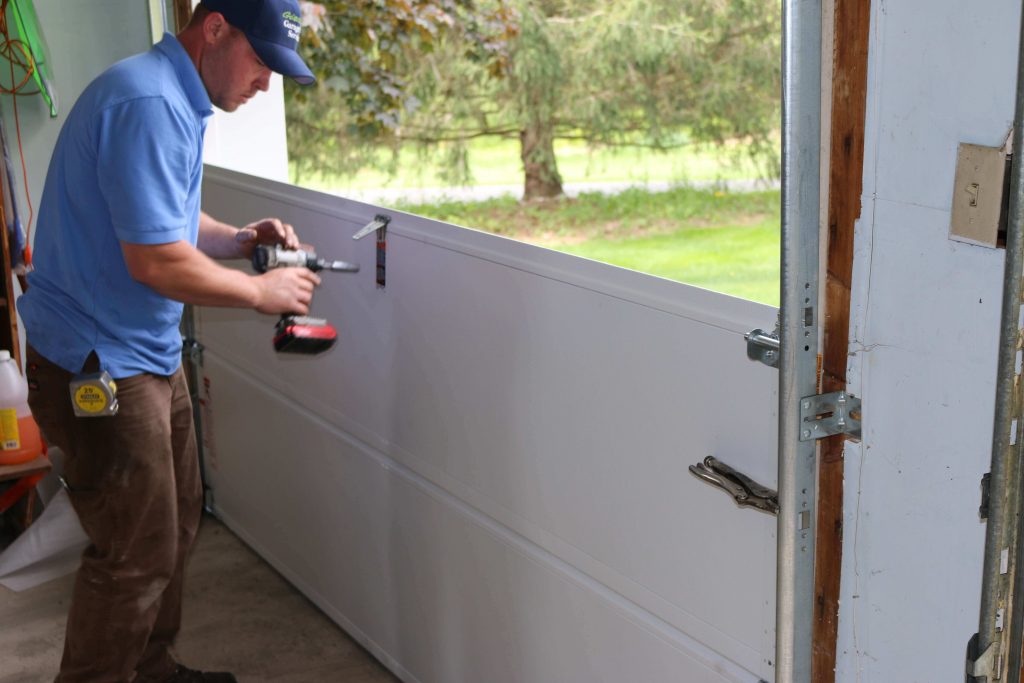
<point>94,394</point>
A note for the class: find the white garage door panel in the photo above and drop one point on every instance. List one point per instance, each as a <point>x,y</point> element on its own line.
<point>561,399</point>
<point>431,586</point>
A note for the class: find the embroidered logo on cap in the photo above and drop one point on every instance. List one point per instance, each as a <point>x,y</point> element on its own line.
<point>293,24</point>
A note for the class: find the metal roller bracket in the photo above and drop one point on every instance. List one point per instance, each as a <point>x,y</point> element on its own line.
<point>764,346</point>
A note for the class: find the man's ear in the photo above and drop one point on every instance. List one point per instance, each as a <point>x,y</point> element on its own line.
<point>215,26</point>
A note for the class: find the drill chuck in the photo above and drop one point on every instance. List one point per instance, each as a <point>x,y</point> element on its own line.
<point>265,258</point>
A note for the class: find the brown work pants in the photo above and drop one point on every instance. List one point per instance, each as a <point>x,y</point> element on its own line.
<point>134,481</point>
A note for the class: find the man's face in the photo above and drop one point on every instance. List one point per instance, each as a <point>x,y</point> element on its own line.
<point>231,70</point>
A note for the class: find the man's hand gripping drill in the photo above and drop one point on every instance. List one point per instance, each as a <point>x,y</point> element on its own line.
<point>294,332</point>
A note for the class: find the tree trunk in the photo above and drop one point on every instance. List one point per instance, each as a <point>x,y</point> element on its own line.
<point>537,150</point>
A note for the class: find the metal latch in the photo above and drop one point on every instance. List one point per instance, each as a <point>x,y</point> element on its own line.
<point>746,491</point>
<point>763,346</point>
<point>829,414</point>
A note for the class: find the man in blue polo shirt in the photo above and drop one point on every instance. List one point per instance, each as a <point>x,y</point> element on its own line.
<point>121,244</point>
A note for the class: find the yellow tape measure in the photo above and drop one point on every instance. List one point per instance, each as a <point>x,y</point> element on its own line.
<point>94,395</point>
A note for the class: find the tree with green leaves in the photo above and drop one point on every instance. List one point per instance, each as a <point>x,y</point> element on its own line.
<point>651,73</point>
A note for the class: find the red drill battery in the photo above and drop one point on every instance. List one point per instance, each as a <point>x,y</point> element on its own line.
<point>302,334</point>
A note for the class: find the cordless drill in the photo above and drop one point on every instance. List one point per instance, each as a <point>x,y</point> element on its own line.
<point>299,333</point>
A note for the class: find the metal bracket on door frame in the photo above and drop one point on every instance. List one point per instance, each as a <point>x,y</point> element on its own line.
<point>829,414</point>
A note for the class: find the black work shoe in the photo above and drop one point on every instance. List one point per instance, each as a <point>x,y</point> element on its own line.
<point>183,674</point>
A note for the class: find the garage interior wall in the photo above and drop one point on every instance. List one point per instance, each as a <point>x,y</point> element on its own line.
<point>924,338</point>
<point>79,36</point>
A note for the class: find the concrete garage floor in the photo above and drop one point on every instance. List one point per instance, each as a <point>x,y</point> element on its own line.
<point>240,616</point>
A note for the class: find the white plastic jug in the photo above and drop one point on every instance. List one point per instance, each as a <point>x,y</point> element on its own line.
<point>19,435</point>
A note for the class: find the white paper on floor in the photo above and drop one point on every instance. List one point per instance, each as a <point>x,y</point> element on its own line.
<point>51,547</point>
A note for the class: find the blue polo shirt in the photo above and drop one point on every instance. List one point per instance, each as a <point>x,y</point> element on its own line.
<point>127,167</point>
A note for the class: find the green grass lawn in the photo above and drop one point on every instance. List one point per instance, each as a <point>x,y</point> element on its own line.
<point>496,162</point>
<point>741,260</point>
<point>727,242</point>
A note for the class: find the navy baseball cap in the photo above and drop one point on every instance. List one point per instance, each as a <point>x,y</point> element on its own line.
<point>272,27</point>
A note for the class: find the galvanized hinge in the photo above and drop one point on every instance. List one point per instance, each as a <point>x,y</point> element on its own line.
<point>829,414</point>
<point>985,667</point>
<point>746,491</point>
<point>764,346</point>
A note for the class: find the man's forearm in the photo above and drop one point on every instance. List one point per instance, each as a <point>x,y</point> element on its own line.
<point>179,271</point>
<point>185,274</point>
<point>219,240</point>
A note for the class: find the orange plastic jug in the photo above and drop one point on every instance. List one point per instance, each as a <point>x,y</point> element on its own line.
<point>20,440</point>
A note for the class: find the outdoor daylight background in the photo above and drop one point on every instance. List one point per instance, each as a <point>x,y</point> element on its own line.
<point>642,133</point>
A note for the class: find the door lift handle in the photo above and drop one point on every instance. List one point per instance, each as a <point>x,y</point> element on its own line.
<point>746,491</point>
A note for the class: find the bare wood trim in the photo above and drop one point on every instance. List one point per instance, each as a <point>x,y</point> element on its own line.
<point>849,107</point>
<point>182,13</point>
